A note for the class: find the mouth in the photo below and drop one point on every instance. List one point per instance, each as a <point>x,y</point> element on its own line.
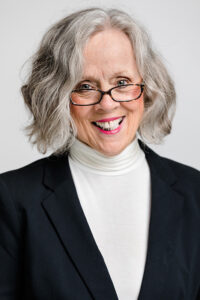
<point>111,126</point>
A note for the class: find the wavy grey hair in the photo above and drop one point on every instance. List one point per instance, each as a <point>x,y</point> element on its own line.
<point>57,68</point>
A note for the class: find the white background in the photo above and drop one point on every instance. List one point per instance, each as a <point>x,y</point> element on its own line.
<point>175,29</point>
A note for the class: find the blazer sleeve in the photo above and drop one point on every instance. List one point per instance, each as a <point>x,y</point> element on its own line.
<point>9,246</point>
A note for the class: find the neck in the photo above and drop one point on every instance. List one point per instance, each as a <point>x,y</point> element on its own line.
<point>94,161</point>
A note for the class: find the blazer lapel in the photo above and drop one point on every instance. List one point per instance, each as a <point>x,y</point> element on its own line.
<point>65,211</point>
<point>165,218</point>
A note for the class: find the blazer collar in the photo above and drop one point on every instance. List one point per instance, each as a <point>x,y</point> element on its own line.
<point>64,209</point>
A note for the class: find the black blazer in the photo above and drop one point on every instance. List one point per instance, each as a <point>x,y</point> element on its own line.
<point>47,250</point>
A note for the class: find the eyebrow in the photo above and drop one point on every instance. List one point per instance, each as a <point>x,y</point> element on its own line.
<point>89,78</point>
<point>115,75</point>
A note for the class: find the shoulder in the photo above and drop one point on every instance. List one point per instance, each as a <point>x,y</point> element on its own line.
<point>166,165</point>
<point>25,174</point>
<point>188,178</point>
<point>185,178</point>
<point>182,171</point>
<point>27,183</point>
<point>19,185</point>
<point>179,180</point>
<point>33,171</point>
<point>187,184</point>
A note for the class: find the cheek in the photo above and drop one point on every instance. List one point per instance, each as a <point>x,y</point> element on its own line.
<point>80,117</point>
<point>140,109</point>
<point>135,109</point>
<point>78,114</point>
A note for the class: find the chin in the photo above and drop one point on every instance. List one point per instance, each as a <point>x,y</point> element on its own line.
<point>111,151</point>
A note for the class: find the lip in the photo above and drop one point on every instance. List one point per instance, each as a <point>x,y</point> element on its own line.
<point>111,132</point>
<point>108,119</point>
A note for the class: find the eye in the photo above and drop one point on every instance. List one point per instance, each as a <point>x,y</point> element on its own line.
<point>85,86</point>
<point>122,82</point>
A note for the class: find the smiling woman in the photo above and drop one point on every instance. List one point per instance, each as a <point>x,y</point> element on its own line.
<point>58,67</point>
<point>104,217</point>
<point>109,126</point>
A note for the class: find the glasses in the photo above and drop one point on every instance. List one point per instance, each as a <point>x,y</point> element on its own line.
<point>122,93</point>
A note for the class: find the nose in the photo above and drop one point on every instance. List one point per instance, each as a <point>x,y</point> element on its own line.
<point>107,103</point>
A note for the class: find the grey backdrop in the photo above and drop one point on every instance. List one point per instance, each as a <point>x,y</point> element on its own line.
<point>174,26</point>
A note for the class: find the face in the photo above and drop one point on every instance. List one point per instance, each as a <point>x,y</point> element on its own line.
<point>108,61</point>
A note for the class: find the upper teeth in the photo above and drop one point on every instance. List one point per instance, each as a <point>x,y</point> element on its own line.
<point>109,125</point>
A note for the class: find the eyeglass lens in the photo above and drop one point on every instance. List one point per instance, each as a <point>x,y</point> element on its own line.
<point>121,93</point>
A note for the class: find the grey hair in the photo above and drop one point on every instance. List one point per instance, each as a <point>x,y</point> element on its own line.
<point>57,68</point>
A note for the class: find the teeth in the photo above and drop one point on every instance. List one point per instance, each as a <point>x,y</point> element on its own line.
<point>109,125</point>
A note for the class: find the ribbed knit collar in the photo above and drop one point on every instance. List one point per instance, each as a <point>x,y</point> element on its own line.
<point>96,162</point>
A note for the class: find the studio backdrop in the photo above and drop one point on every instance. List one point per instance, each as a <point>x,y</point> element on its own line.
<point>174,28</point>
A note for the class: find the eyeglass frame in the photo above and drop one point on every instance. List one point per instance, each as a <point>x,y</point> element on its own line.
<point>108,92</point>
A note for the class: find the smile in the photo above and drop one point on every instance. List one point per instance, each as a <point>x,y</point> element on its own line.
<point>109,127</point>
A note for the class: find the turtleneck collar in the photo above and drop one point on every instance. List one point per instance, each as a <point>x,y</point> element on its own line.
<point>96,162</point>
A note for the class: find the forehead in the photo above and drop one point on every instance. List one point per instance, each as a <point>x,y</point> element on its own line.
<point>108,51</point>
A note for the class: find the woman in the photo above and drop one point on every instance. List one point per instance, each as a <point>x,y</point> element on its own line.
<point>104,217</point>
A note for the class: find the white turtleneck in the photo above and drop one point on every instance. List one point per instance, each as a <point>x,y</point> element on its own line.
<point>114,193</point>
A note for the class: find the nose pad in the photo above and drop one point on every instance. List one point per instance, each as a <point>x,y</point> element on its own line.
<point>107,103</point>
